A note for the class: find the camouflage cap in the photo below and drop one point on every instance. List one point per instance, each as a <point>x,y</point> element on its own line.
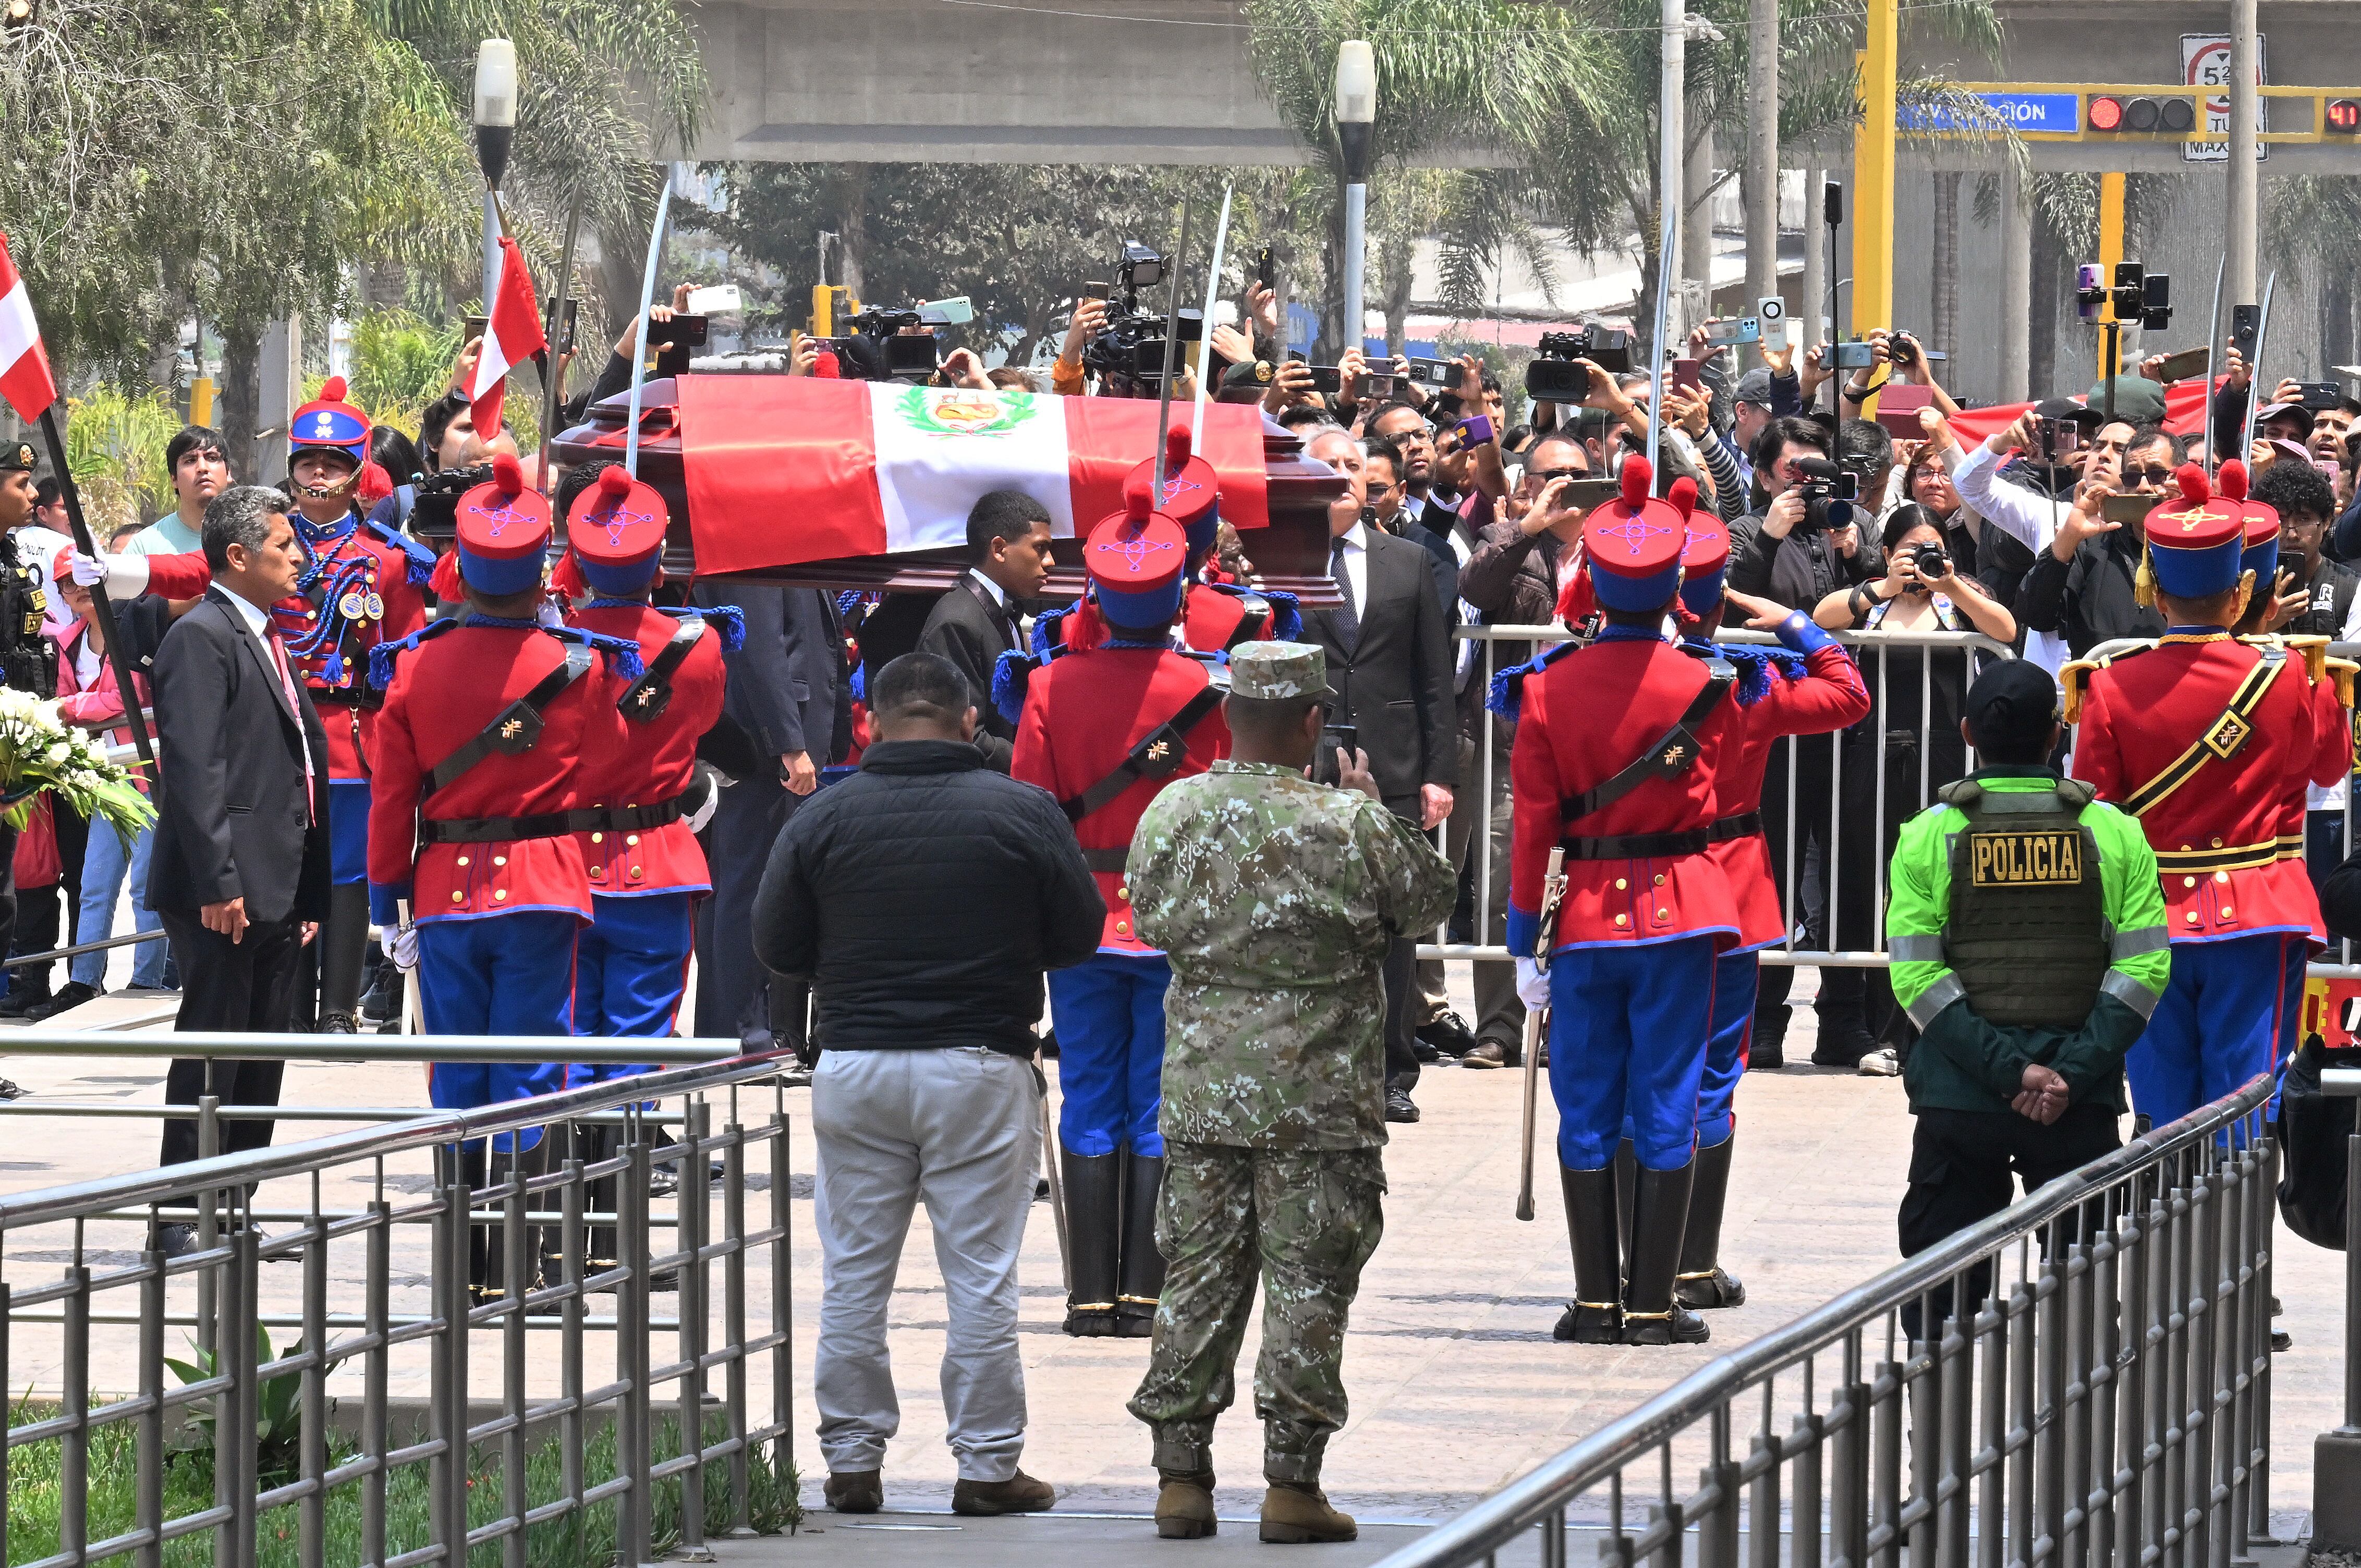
<point>16,457</point>
<point>1271,670</point>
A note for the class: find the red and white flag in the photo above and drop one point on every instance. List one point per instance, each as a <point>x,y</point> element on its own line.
<point>511,336</point>
<point>783,469</point>
<point>24,378</point>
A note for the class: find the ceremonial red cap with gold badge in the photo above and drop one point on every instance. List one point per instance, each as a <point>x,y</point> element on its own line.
<point>2194,538</point>
<point>1634,544</point>
<point>1134,559</point>
<point>616,529</point>
<point>2261,554</point>
<point>504,533</point>
<point>1192,491</point>
<point>331,423</point>
<point>1705,549</point>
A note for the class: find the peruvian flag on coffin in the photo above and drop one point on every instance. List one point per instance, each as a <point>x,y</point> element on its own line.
<point>783,470</point>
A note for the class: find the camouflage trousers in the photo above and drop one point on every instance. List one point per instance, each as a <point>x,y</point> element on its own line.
<point>1305,1222</point>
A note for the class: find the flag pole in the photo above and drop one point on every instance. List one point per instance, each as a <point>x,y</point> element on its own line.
<point>83,542</point>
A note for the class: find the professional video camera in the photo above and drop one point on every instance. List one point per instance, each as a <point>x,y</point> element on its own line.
<point>1827,493</point>
<point>885,345</point>
<point>1128,354</point>
<point>434,511</point>
<point>1553,376</point>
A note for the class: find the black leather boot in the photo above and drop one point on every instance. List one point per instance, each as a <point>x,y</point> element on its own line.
<point>1702,1281</point>
<point>1594,1316</point>
<point>1141,1280</point>
<point>1658,1220</point>
<point>1626,1190</point>
<point>1093,1226</point>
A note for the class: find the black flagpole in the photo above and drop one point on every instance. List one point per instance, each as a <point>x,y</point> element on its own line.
<point>115,653</point>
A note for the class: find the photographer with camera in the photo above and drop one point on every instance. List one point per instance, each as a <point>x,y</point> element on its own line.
<point>2081,586</point>
<point>1805,542</point>
<point>1996,559</point>
<point>1898,359</point>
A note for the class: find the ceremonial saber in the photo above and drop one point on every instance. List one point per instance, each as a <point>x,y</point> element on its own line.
<point>1172,352</point>
<point>2213,358</point>
<point>413,1007</point>
<point>1205,330</point>
<point>2255,369</point>
<point>639,342</point>
<point>554,371</point>
<point>83,542</point>
<point>1667,268</point>
<point>1537,1024</point>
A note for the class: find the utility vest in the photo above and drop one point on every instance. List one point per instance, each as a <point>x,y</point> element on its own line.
<point>2027,934</point>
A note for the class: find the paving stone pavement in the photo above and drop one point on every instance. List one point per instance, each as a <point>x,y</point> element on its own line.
<point>1456,1386</point>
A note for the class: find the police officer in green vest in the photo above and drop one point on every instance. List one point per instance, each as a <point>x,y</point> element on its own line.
<point>2026,930</point>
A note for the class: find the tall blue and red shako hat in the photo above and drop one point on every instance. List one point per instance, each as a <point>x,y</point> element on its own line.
<point>1192,491</point>
<point>1705,550</point>
<point>504,533</point>
<point>2260,553</point>
<point>616,529</point>
<point>1634,544</point>
<point>1137,559</point>
<point>331,423</point>
<point>2195,539</point>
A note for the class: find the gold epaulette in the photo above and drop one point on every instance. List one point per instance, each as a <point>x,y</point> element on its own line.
<point>2315,655</point>
<point>2070,678</point>
<point>2344,671</point>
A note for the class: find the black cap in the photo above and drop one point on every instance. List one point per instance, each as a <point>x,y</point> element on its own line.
<point>2011,707</point>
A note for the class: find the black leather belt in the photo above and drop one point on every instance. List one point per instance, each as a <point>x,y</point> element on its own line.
<point>550,823</point>
<point>1638,846</point>
<point>1743,826</point>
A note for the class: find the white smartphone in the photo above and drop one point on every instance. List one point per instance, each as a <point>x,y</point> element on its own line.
<point>717,300</point>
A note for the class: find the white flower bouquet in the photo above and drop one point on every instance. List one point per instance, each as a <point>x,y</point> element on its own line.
<point>40,751</point>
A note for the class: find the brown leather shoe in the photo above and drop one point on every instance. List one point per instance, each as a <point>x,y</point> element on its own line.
<point>1184,1506</point>
<point>1491,1053</point>
<point>854,1491</point>
<point>1020,1494</point>
<point>1294,1515</point>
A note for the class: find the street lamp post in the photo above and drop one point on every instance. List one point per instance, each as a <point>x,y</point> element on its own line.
<point>496,111</point>
<point>1357,109</point>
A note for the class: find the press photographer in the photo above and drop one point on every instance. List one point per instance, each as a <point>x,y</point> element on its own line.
<point>1807,543</point>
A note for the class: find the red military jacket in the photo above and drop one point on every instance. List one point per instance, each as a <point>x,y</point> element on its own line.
<point>2144,721</point>
<point>442,695</point>
<point>358,589</point>
<point>657,759</point>
<point>1583,719</point>
<point>1215,619</point>
<point>1827,694</point>
<point>1085,712</point>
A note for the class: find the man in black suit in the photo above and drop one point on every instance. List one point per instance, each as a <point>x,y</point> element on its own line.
<point>1390,661</point>
<point>240,868</point>
<point>785,690</point>
<point>973,625</point>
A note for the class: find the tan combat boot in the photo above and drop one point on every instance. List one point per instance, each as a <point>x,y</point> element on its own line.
<point>1184,1504</point>
<point>1297,1512</point>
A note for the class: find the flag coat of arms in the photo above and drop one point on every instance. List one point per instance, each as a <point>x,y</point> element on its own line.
<point>783,470</point>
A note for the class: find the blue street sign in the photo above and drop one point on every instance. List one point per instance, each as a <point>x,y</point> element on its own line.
<point>2052,112</point>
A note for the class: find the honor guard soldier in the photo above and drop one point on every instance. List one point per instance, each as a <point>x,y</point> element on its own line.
<point>491,725</point>
<point>1105,728</point>
<point>1627,788</point>
<point>362,585</point>
<point>28,660</point>
<point>2028,936</point>
<point>1214,617</point>
<point>2205,739</point>
<point>1777,693</point>
<point>645,796</point>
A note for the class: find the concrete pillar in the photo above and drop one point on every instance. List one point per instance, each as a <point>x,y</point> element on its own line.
<point>2239,280</point>
<point>281,391</point>
<point>2015,291</point>
<point>1761,179</point>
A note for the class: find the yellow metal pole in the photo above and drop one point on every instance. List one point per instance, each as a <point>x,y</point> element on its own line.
<point>201,401</point>
<point>1872,191</point>
<point>2111,251</point>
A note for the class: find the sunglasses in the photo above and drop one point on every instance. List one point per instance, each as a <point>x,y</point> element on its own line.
<point>1546,474</point>
<point>2154,474</point>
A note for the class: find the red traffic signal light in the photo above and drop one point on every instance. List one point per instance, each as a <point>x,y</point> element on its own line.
<point>2345,115</point>
<point>2106,114</point>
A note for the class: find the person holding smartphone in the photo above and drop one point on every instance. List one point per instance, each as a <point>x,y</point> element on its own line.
<point>2082,583</point>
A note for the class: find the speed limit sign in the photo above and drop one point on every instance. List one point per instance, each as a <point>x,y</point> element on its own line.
<point>2205,64</point>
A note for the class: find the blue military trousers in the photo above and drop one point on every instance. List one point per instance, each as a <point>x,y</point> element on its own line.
<point>629,971</point>
<point>1725,1051</point>
<point>1629,1027</point>
<point>501,974</point>
<point>2215,1027</point>
<point>1108,1010</point>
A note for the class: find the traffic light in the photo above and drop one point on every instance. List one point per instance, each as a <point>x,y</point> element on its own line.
<point>2140,115</point>
<point>2105,114</point>
<point>2343,115</point>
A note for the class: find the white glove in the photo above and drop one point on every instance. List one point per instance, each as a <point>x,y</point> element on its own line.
<point>549,615</point>
<point>125,575</point>
<point>403,949</point>
<point>1532,985</point>
<point>712,803</point>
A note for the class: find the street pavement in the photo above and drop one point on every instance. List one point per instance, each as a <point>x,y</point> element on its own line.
<point>1456,1387</point>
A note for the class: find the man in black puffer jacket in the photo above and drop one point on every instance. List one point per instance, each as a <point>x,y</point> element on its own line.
<point>924,898</point>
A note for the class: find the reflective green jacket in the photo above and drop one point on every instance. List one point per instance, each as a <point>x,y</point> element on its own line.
<point>1963,1063</point>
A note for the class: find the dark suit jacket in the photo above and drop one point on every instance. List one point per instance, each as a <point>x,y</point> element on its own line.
<point>971,630</point>
<point>1396,678</point>
<point>231,821</point>
<point>785,688</point>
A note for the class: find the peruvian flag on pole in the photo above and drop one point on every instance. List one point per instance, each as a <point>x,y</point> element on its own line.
<point>24,378</point>
<point>511,336</point>
<point>783,470</point>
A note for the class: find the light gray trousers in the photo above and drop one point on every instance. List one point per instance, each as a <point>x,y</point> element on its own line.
<point>961,1130</point>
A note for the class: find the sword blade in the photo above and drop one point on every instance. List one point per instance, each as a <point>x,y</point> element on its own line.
<point>1171,349</point>
<point>1536,1031</point>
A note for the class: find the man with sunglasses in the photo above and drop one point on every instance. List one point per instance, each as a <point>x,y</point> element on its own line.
<point>2082,585</point>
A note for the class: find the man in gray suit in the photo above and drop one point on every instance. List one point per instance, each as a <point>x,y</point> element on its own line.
<point>1390,660</point>
<point>787,692</point>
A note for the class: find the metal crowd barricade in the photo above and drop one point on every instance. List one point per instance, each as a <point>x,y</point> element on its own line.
<point>456,1462</point>
<point>2103,1400</point>
<point>1488,849</point>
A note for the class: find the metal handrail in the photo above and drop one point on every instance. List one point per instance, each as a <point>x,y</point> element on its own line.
<point>224,1045</point>
<point>1551,1487</point>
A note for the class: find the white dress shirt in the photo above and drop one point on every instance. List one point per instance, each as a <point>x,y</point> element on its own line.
<point>2025,515</point>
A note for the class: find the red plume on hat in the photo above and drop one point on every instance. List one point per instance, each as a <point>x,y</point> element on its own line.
<point>1636,478</point>
<point>1683,495</point>
<point>2190,478</point>
<point>2232,480</point>
<point>1577,601</point>
<point>566,578</point>
<point>508,474</point>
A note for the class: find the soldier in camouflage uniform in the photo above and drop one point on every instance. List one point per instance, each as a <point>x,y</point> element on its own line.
<point>1274,898</point>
